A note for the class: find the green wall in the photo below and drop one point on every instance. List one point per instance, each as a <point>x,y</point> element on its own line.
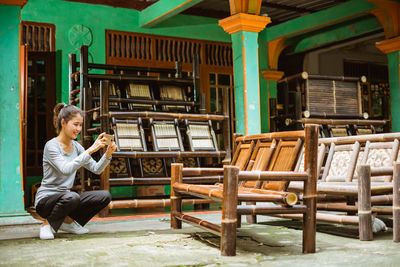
<point>98,18</point>
<point>11,194</point>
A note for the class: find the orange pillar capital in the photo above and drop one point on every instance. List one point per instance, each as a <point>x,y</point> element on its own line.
<point>272,75</point>
<point>389,45</point>
<point>244,22</point>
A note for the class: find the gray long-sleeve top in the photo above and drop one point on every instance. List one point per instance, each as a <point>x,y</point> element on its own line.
<point>59,167</point>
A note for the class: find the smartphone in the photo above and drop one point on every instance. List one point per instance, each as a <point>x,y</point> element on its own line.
<point>110,138</point>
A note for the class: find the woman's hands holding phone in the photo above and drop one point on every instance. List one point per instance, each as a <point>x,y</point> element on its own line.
<point>111,149</point>
<point>102,140</point>
<point>99,143</point>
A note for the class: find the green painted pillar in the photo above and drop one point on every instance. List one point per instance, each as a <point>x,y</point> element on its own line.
<point>11,193</point>
<point>394,81</point>
<point>391,47</point>
<point>269,52</point>
<point>244,29</point>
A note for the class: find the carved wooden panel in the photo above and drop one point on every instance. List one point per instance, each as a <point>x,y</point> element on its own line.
<point>340,164</point>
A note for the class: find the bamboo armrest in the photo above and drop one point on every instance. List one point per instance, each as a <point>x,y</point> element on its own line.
<point>352,188</point>
<point>336,179</point>
<point>244,194</point>
<point>202,171</point>
<point>273,176</point>
<point>347,188</point>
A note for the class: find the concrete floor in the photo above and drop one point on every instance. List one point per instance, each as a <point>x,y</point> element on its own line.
<point>150,242</point>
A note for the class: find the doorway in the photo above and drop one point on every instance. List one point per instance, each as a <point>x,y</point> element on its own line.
<point>41,98</point>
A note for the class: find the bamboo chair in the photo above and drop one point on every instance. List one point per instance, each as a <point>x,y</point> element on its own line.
<point>114,92</point>
<point>338,130</point>
<point>341,162</point>
<point>260,161</point>
<point>381,155</point>
<point>322,149</point>
<point>142,92</point>
<point>201,137</point>
<point>173,92</point>
<point>364,129</point>
<point>284,159</point>
<point>129,136</point>
<point>242,153</point>
<point>166,136</point>
<point>231,193</point>
<point>353,176</point>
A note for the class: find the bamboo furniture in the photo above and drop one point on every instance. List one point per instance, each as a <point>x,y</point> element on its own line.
<point>142,107</point>
<point>332,101</point>
<point>140,91</point>
<point>358,169</point>
<point>233,192</point>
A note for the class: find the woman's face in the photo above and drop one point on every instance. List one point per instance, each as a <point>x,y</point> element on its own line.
<point>73,127</point>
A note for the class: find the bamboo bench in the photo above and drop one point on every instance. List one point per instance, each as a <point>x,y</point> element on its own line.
<point>271,167</point>
<point>357,168</point>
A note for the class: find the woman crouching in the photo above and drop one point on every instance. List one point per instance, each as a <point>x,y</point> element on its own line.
<point>62,157</point>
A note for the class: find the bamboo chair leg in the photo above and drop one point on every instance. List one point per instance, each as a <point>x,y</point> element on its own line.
<point>176,199</point>
<point>396,202</point>
<point>105,185</point>
<point>229,211</point>
<point>364,203</point>
<point>239,217</point>
<point>310,189</point>
<point>251,218</point>
<point>351,201</point>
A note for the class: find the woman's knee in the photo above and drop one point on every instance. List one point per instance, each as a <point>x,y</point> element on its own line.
<point>105,196</point>
<point>71,198</point>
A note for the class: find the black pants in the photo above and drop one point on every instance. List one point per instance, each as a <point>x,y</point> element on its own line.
<point>81,207</point>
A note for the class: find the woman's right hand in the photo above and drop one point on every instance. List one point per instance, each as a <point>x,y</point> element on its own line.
<point>99,143</point>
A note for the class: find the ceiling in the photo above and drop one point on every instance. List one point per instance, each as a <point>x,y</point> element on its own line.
<point>279,10</point>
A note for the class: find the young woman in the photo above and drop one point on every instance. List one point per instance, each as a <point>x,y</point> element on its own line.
<point>62,157</point>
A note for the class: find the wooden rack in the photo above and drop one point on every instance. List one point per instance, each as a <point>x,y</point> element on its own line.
<point>111,104</point>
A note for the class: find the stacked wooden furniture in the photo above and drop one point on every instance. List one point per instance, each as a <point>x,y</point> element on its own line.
<point>268,160</point>
<point>157,118</point>
<point>334,102</point>
<point>359,170</point>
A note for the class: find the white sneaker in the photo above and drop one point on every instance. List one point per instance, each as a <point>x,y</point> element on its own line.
<point>46,232</point>
<point>74,228</point>
<point>378,225</point>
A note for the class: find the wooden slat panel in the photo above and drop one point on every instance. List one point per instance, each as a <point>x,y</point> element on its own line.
<point>333,97</point>
<point>127,48</point>
<point>284,160</point>
<point>261,156</point>
<point>242,155</point>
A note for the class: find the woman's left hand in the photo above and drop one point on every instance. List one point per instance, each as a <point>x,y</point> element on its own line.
<point>111,149</point>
